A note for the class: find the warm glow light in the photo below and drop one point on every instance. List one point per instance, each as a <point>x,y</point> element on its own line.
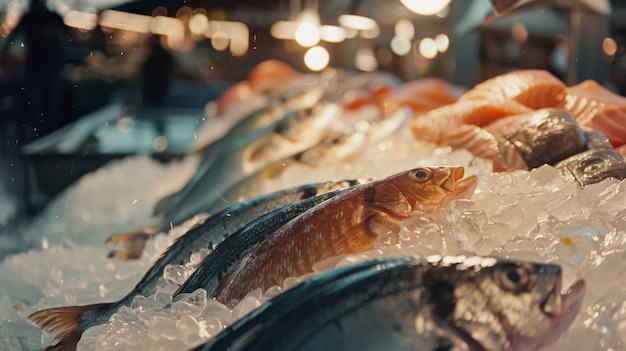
<point>316,58</point>
<point>219,41</point>
<point>371,33</point>
<point>225,33</point>
<point>307,34</point>
<point>173,28</point>
<point>357,22</point>
<point>404,28</point>
<point>284,30</point>
<point>80,20</point>
<point>425,7</point>
<point>125,21</point>
<point>428,48</point>
<point>332,34</point>
<point>400,45</point>
<point>198,24</point>
<point>443,42</point>
<point>365,60</point>
<point>609,46</point>
<point>308,30</point>
<point>351,33</point>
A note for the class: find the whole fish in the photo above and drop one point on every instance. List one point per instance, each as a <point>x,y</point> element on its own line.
<point>68,323</point>
<point>337,145</point>
<point>545,136</point>
<point>305,94</point>
<point>434,304</point>
<point>214,266</point>
<point>294,133</point>
<point>291,135</point>
<point>347,223</point>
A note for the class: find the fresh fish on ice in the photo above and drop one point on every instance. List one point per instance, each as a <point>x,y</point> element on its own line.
<point>68,323</point>
<point>434,304</point>
<point>214,266</point>
<point>333,147</point>
<point>347,223</point>
<point>298,131</point>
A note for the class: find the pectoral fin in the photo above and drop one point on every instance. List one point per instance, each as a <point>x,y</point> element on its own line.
<point>362,236</point>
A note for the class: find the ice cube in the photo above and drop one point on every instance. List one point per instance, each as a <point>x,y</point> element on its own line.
<point>193,304</point>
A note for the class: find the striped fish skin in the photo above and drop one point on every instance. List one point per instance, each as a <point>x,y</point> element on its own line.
<point>214,266</point>
<point>435,304</point>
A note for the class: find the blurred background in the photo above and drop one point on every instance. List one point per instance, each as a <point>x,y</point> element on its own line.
<point>153,65</point>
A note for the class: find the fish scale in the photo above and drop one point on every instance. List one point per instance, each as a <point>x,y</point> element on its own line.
<point>348,223</point>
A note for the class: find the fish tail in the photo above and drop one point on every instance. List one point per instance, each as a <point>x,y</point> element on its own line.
<point>134,243</point>
<point>66,323</point>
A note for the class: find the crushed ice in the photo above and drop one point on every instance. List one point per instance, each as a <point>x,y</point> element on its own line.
<point>528,215</point>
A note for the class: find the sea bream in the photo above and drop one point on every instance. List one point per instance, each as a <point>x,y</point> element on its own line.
<point>347,223</point>
<point>433,304</point>
<point>68,323</point>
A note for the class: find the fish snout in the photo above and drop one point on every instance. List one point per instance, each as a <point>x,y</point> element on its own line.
<point>457,186</point>
<point>456,174</point>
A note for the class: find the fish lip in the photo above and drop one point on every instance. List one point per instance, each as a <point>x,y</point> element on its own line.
<point>462,187</point>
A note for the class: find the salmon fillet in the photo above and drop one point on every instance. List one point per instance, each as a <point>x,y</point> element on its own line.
<point>533,88</point>
<point>596,107</point>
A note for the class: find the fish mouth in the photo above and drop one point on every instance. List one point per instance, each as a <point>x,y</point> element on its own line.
<point>458,186</point>
<point>562,309</point>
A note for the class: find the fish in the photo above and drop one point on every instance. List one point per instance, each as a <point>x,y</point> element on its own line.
<point>305,93</point>
<point>532,88</point>
<point>347,223</point>
<point>296,132</point>
<point>69,322</point>
<point>432,304</point>
<point>545,136</point>
<point>215,265</point>
<point>593,166</point>
<point>337,145</point>
<point>596,107</point>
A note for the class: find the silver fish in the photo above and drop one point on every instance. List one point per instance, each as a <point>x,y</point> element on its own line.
<point>68,323</point>
<point>442,303</point>
<point>305,94</point>
<point>337,145</point>
<point>293,134</point>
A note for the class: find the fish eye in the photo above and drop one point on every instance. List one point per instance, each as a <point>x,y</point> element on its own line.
<point>422,174</point>
<point>514,278</point>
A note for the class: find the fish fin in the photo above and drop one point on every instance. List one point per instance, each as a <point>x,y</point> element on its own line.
<point>135,242</point>
<point>65,323</point>
<point>356,239</point>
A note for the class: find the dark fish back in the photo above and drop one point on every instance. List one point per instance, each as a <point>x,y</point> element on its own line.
<point>228,253</point>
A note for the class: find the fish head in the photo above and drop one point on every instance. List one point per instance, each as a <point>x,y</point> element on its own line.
<point>513,305</point>
<point>545,136</point>
<point>423,189</point>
